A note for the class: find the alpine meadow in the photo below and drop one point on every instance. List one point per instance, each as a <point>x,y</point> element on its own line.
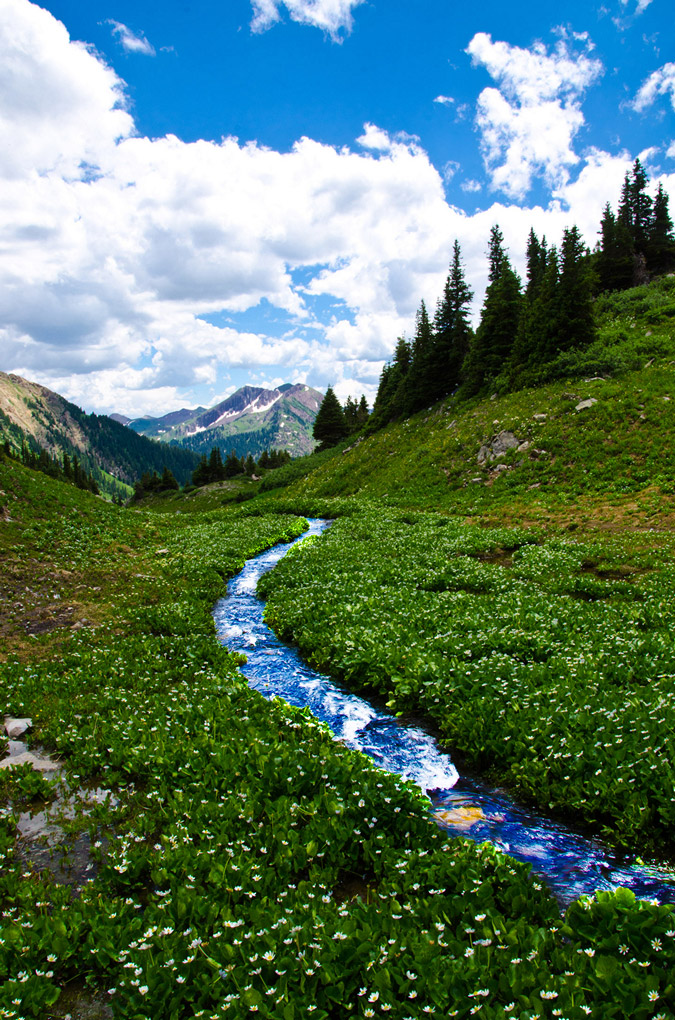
<point>337,511</point>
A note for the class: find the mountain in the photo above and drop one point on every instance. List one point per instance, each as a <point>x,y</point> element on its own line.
<point>106,449</point>
<point>250,421</point>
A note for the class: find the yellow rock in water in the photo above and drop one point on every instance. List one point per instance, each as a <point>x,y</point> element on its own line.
<point>461,817</point>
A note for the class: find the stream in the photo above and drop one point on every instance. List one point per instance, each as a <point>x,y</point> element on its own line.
<point>570,863</point>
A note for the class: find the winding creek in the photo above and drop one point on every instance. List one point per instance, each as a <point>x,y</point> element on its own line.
<point>571,864</point>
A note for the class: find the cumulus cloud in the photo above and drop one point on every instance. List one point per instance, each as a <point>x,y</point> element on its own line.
<point>61,109</point>
<point>333,16</point>
<point>659,83</point>
<point>444,100</point>
<point>528,124</point>
<point>120,253</point>
<point>129,40</point>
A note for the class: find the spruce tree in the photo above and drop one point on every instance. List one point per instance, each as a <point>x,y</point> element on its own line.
<point>614,258</point>
<point>216,468</point>
<point>350,411</point>
<point>576,326</point>
<point>330,426</point>
<point>661,242</point>
<point>390,396</point>
<point>362,412</point>
<point>452,331</point>
<point>495,337</point>
<point>420,387</point>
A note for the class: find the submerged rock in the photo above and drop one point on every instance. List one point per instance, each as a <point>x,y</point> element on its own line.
<point>26,758</point>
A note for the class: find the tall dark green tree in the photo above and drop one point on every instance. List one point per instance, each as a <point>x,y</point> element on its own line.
<point>350,411</point>
<point>390,396</point>
<point>661,243</point>
<point>536,264</point>
<point>614,257</point>
<point>635,207</point>
<point>452,331</point>
<point>420,384</point>
<point>542,278</point>
<point>330,426</point>
<point>576,326</point>
<point>496,334</point>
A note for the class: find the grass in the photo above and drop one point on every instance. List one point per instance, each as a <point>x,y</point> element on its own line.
<point>234,859</point>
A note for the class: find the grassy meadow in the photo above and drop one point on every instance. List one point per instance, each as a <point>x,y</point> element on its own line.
<point>205,853</point>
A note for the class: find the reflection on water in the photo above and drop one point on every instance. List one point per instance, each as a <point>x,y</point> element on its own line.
<point>571,864</point>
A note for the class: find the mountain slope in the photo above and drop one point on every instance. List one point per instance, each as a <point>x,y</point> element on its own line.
<point>36,415</point>
<point>250,421</point>
<point>596,445</point>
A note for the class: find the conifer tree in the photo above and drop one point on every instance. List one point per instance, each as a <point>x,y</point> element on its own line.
<point>495,337</point>
<point>216,468</point>
<point>233,465</point>
<point>362,412</point>
<point>350,411</point>
<point>452,331</point>
<point>420,384</point>
<point>614,258</point>
<point>576,326</point>
<point>661,243</point>
<point>391,390</point>
<point>330,426</point>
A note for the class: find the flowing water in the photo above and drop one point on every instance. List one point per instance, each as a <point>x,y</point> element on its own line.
<point>570,863</point>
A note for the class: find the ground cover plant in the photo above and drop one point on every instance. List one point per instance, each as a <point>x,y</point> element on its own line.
<point>550,660</point>
<point>233,860</point>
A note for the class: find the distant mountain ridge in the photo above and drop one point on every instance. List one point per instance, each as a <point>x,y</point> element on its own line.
<point>252,420</point>
<point>107,449</point>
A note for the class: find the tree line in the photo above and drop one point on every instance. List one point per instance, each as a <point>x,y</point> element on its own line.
<point>335,422</point>
<point>210,469</point>
<point>65,468</point>
<point>521,328</point>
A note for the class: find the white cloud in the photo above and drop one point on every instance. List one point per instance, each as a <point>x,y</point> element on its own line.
<point>333,16</point>
<point>528,125</point>
<point>640,7</point>
<point>130,41</point>
<point>671,151</point>
<point>659,83</point>
<point>471,186</point>
<point>59,106</point>
<point>444,100</point>
<point>106,277</point>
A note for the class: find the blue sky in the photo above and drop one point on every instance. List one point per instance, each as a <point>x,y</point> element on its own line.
<point>199,195</point>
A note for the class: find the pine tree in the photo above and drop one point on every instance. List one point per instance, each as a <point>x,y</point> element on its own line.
<point>420,388</point>
<point>494,340</point>
<point>576,326</point>
<point>200,475</point>
<point>350,411</point>
<point>614,258</point>
<point>216,468</point>
<point>452,332</point>
<point>362,412</point>
<point>168,481</point>
<point>233,465</point>
<point>661,242</point>
<point>330,426</point>
<point>392,387</point>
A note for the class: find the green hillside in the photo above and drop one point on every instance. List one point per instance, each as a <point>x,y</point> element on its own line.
<point>217,854</point>
<point>599,463</point>
<point>114,456</point>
